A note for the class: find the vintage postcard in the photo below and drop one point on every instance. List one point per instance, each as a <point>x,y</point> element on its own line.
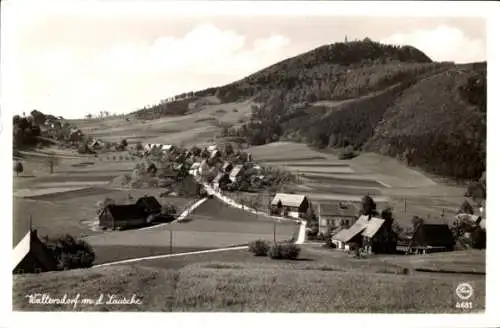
<point>246,157</point>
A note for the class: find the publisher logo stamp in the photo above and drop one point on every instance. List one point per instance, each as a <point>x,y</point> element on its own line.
<point>464,291</point>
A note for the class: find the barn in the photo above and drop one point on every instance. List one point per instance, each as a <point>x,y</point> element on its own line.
<point>30,255</point>
<point>290,205</point>
<point>432,238</point>
<point>122,216</point>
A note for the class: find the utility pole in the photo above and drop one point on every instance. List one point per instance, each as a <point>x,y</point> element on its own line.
<point>171,240</point>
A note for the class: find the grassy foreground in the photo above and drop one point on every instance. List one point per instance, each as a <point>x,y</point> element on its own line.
<point>242,286</point>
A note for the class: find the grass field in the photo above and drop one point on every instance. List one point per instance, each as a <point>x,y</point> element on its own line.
<point>196,127</point>
<point>211,225</point>
<point>325,178</point>
<point>237,281</point>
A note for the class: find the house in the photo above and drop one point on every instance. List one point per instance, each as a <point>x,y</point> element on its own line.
<point>373,235</point>
<point>227,167</point>
<point>150,205</point>
<point>96,144</point>
<point>215,154</point>
<point>221,179</point>
<point>211,148</point>
<point>290,205</point>
<point>122,216</point>
<point>30,255</point>
<point>337,214</point>
<point>167,148</point>
<point>195,168</point>
<point>75,136</point>
<point>432,237</point>
<point>236,173</point>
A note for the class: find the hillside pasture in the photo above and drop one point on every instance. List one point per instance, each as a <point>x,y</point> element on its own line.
<point>245,286</point>
<point>195,127</point>
<point>212,225</point>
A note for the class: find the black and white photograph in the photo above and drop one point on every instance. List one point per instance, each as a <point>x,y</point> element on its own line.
<point>249,157</point>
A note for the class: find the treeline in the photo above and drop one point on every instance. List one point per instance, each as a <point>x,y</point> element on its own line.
<point>326,69</point>
<point>435,120</point>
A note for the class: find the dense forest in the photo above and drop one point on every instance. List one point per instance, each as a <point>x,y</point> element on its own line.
<point>369,96</point>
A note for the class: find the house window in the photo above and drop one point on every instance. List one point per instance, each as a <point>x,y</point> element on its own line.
<point>38,270</point>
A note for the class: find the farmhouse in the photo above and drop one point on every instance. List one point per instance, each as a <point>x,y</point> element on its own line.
<point>31,255</point>
<point>372,234</point>
<point>75,136</point>
<point>211,148</point>
<point>333,215</point>
<point>431,238</point>
<point>195,168</point>
<point>236,173</point>
<point>290,205</point>
<point>149,205</point>
<point>227,167</point>
<point>122,216</point>
<point>167,148</point>
<point>215,154</point>
<point>221,179</point>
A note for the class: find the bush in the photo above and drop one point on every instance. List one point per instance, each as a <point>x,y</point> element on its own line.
<point>289,251</point>
<point>274,252</point>
<point>258,247</point>
<point>70,253</point>
<point>285,251</point>
<point>18,168</point>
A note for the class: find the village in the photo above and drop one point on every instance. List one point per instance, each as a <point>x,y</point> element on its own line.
<point>358,228</point>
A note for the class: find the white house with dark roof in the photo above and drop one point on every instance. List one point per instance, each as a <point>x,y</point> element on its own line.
<point>293,205</point>
<point>236,173</point>
<point>367,232</point>
<point>335,214</point>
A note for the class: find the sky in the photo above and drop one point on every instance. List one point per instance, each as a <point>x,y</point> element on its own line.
<point>75,58</point>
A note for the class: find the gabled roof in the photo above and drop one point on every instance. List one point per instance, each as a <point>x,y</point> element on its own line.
<point>372,227</point>
<point>219,177</point>
<point>149,203</point>
<point>226,165</point>
<point>126,212</point>
<point>368,228</point>
<point>346,235</point>
<point>31,243</point>
<point>434,235</point>
<point>21,250</point>
<point>236,170</point>
<point>291,200</point>
<point>211,148</point>
<point>337,209</point>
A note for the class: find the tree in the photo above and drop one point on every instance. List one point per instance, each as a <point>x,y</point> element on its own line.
<point>466,208</point>
<point>416,221</point>
<point>228,149</point>
<point>368,206</point>
<point>88,116</point>
<point>18,167</point>
<point>152,169</point>
<point>123,143</point>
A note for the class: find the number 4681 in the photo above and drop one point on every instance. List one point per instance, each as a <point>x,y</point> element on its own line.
<point>464,305</point>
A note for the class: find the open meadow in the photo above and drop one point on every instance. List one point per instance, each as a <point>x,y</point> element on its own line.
<point>211,225</point>
<point>66,200</point>
<point>324,178</point>
<point>322,280</point>
<point>198,126</point>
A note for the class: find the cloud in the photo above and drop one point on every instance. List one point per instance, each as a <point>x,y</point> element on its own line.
<point>443,43</point>
<point>128,75</point>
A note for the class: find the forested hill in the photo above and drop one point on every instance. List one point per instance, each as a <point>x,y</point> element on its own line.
<point>370,96</point>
